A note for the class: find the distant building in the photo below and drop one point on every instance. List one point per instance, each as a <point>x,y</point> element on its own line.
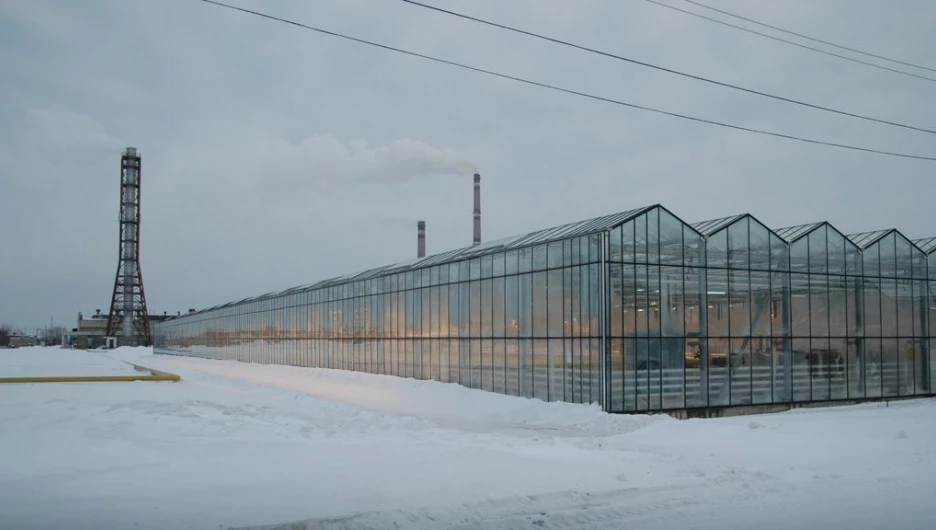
<point>18,340</point>
<point>90,332</point>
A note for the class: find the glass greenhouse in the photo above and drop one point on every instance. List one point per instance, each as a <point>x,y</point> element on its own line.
<point>637,311</point>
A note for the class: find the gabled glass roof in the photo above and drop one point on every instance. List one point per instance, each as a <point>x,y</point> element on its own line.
<point>866,239</point>
<point>792,233</point>
<point>711,226</point>
<point>927,245</point>
<point>580,228</point>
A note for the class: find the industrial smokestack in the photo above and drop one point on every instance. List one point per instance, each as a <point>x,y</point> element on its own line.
<point>420,239</point>
<point>477,210</point>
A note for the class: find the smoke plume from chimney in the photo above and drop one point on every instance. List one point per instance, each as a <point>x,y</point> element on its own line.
<point>328,162</point>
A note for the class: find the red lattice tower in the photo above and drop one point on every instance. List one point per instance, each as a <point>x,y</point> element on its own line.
<point>128,319</point>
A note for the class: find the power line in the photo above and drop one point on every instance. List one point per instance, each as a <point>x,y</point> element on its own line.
<point>792,43</point>
<point>800,35</point>
<point>570,91</point>
<point>664,69</point>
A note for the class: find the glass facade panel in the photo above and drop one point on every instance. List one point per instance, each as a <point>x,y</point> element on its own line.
<point>554,304</point>
<point>671,239</point>
<point>718,302</point>
<point>499,367</point>
<point>498,308</point>
<point>539,258</point>
<point>540,369</point>
<point>928,349</point>
<point>511,262</point>
<point>540,304</point>
<point>557,369</point>
<point>487,365</point>
<point>664,316</point>
<point>739,255</point>
<point>486,308</point>
<point>759,238</point>
<point>653,236</point>
<point>498,265</point>
<point>628,243</point>
<point>615,250</point>
<point>474,362</point>
<point>716,250</point>
<point>525,372</point>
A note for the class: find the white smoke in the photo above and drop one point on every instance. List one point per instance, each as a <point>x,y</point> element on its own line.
<point>326,161</point>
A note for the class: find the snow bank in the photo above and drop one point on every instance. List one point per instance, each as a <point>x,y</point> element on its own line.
<point>444,404</point>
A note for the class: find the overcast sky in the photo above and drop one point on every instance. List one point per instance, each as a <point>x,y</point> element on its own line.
<point>274,156</point>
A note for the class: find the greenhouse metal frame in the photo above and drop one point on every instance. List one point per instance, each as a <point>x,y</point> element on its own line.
<point>637,311</point>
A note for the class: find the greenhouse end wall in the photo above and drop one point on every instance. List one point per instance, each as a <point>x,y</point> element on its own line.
<point>636,311</point>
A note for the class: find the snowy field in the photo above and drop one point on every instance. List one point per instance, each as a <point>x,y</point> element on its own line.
<point>37,362</point>
<point>237,445</point>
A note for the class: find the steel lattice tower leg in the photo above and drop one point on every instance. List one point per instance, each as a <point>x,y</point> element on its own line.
<point>129,319</point>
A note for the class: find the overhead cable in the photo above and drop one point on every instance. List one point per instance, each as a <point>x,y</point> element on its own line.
<point>665,69</point>
<point>792,43</point>
<point>807,37</point>
<point>570,91</point>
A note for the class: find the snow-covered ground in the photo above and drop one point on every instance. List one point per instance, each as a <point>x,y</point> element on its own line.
<point>236,445</point>
<point>37,361</point>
